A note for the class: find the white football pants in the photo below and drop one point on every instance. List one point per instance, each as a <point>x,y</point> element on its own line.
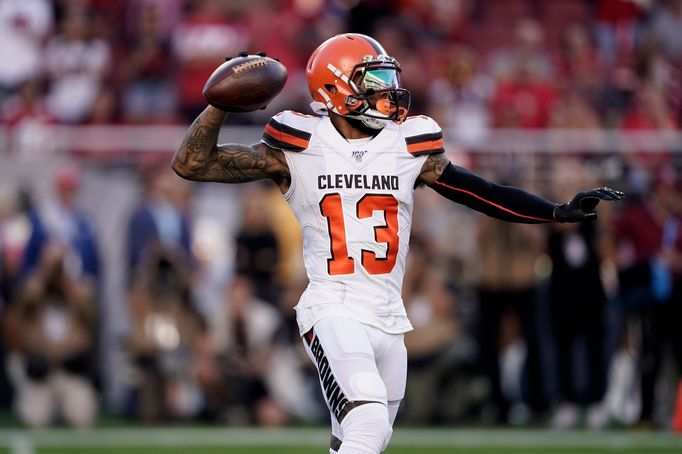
<point>362,374</point>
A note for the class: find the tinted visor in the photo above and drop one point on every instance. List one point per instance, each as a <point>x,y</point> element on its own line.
<point>379,89</point>
<point>379,79</point>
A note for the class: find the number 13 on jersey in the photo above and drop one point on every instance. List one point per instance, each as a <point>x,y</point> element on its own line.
<point>340,262</point>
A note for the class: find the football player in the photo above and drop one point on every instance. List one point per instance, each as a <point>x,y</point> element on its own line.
<point>349,174</point>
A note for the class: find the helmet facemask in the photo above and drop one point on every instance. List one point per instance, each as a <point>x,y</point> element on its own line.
<point>377,94</point>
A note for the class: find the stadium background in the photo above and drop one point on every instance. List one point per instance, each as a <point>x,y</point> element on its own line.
<point>130,298</point>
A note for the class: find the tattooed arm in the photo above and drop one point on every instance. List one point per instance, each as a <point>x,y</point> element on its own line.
<point>200,158</point>
<point>432,169</point>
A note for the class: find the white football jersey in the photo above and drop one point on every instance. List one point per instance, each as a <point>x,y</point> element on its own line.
<point>354,204</point>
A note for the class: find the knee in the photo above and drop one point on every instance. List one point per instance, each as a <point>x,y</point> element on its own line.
<point>79,406</point>
<point>368,426</point>
<point>34,405</point>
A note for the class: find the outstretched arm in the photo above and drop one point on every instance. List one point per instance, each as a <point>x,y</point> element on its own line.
<point>200,158</point>
<point>507,202</point>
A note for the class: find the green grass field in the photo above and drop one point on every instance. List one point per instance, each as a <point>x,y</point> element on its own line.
<point>304,450</point>
<point>315,441</point>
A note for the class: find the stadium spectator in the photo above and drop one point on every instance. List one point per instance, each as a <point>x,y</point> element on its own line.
<point>507,305</point>
<point>24,102</point>
<point>573,110</point>
<point>577,313</point>
<point>262,375</point>
<point>77,67</point>
<point>524,102</point>
<point>15,231</point>
<point>23,28</point>
<point>148,92</point>
<point>166,15</point>
<point>291,271</point>
<point>579,64</point>
<point>161,219</point>
<point>14,234</point>
<point>655,68</point>
<point>199,43</point>
<point>285,32</point>
<point>666,28</point>
<point>167,346</point>
<point>54,318</point>
<point>617,25</point>
<point>460,100</point>
<point>650,259</point>
<point>257,246</point>
<point>25,114</point>
<point>59,220</point>
<point>649,111</point>
<point>363,17</point>
<point>527,52</point>
<point>437,21</point>
<point>441,354</point>
<point>525,94</point>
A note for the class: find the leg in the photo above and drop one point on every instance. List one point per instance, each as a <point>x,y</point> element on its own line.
<point>533,388</point>
<point>335,442</point>
<point>35,403</point>
<point>392,365</point>
<point>562,327</point>
<point>77,399</point>
<point>488,336</point>
<point>675,333</point>
<point>366,429</point>
<point>650,358</point>
<point>354,391</point>
<point>595,351</point>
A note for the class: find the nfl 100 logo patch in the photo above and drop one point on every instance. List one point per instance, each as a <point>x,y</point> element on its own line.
<point>358,154</point>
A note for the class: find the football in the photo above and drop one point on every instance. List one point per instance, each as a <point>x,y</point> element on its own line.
<point>245,83</point>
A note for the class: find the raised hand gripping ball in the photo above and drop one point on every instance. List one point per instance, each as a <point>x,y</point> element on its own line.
<point>245,83</point>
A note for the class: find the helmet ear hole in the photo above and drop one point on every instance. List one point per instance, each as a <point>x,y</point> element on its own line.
<point>331,88</point>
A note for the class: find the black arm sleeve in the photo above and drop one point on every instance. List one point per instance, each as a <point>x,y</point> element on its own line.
<point>502,202</point>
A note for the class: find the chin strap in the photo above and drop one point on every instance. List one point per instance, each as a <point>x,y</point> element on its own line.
<point>373,123</point>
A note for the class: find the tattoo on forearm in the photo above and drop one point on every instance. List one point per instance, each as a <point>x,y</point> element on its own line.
<point>244,164</point>
<point>196,141</point>
<point>433,168</point>
<point>201,137</point>
<point>439,166</point>
<point>200,158</point>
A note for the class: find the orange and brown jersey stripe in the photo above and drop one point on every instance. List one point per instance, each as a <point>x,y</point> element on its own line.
<point>284,137</point>
<point>425,144</point>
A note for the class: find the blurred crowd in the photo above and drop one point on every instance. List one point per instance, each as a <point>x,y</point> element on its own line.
<point>512,64</point>
<point>560,325</point>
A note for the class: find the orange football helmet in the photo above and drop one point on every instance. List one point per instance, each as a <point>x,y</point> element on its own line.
<point>351,75</point>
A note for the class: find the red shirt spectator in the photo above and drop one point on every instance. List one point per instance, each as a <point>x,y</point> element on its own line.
<point>579,61</point>
<point>618,11</point>
<point>523,103</point>
<point>200,44</point>
<point>639,229</point>
<point>642,232</point>
<point>26,116</point>
<point>649,112</point>
<point>78,66</point>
